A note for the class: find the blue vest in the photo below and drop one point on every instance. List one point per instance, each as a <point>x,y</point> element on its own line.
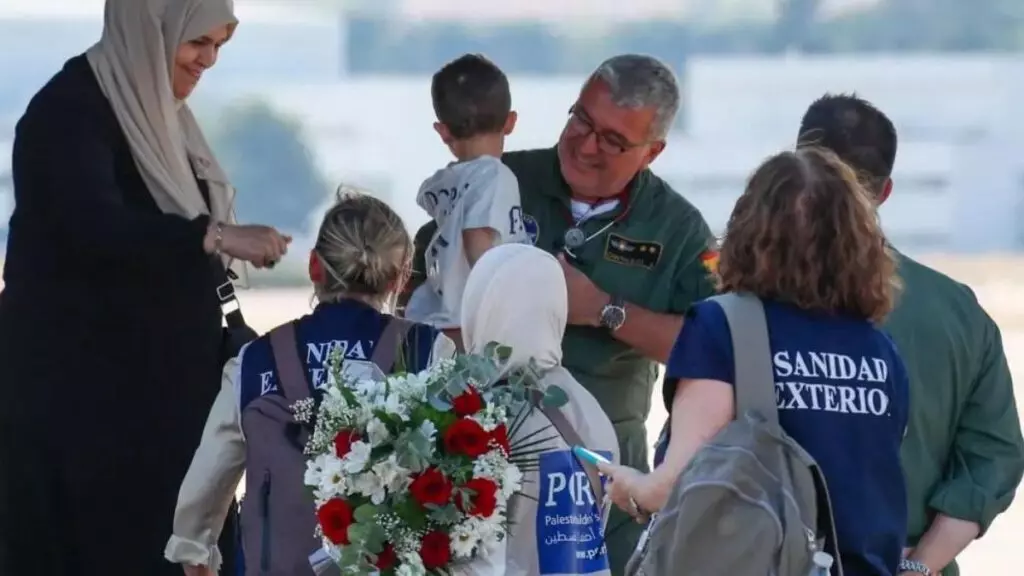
<point>349,325</point>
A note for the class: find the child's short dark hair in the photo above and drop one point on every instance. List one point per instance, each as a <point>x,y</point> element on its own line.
<point>471,96</point>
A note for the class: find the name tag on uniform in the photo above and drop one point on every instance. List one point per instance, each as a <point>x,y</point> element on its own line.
<point>628,252</point>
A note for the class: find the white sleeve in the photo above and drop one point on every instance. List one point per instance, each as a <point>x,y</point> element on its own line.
<point>492,201</point>
<point>212,478</point>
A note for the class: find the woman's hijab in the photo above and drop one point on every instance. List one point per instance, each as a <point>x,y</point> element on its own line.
<point>516,295</point>
<point>133,62</point>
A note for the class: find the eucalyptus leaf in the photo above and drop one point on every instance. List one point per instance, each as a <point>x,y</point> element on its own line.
<point>503,352</point>
<point>366,514</point>
<point>438,403</point>
<point>357,533</point>
<point>555,397</point>
<point>445,514</point>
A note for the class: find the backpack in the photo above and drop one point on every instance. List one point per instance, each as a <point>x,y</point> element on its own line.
<point>278,515</point>
<point>751,502</point>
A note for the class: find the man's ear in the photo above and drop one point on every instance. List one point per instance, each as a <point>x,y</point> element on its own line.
<point>443,132</point>
<point>510,122</point>
<point>886,191</point>
<point>654,150</point>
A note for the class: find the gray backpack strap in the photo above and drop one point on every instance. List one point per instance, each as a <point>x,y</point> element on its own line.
<point>755,385</point>
<point>291,373</point>
<point>572,438</point>
<point>389,345</point>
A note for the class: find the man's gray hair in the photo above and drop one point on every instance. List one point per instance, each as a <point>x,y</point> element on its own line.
<point>640,81</point>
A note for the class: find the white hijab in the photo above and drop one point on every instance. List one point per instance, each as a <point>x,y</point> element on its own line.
<point>133,62</point>
<point>516,295</point>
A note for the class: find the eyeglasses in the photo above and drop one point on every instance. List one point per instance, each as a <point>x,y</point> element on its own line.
<point>608,142</point>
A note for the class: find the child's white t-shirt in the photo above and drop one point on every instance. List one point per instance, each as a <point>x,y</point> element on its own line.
<point>479,193</point>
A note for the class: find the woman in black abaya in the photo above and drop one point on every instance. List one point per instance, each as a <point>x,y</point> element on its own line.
<point>111,342</point>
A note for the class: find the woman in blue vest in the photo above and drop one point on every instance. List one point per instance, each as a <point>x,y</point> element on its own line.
<point>358,266</point>
<point>805,238</point>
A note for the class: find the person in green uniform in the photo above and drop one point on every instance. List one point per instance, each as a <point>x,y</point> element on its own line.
<point>635,253</point>
<point>963,455</point>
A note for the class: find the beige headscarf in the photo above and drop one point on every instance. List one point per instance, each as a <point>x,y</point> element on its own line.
<point>501,303</point>
<point>133,62</point>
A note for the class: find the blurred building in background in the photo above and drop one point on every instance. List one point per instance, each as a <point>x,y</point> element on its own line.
<point>347,84</point>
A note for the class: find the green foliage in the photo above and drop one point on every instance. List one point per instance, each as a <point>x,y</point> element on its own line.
<point>268,161</point>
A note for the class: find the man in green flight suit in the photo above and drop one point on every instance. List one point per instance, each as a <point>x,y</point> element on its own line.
<point>963,455</point>
<point>635,253</point>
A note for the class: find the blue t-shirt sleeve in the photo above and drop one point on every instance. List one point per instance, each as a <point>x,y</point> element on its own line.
<point>703,349</point>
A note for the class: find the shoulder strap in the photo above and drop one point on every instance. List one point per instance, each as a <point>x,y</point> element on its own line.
<point>390,343</point>
<point>572,438</point>
<point>291,372</point>
<point>755,385</point>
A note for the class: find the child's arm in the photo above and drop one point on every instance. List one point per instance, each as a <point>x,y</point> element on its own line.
<point>492,210</point>
<point>212,479</point>
<point>476,241</point>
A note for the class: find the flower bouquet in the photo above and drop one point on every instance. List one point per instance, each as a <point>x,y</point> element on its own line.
<point>412,474</point>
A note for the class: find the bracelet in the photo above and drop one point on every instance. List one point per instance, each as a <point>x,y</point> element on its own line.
<point>218,239</point>
<point>914,566</point>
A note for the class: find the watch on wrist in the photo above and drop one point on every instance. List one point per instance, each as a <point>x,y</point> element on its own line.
<point>613,315</point>
<point>914,566</point>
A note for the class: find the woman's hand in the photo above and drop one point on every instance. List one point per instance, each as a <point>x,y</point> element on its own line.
<point>262,246</point>
<point>198,571</point>
<point>636,493</point>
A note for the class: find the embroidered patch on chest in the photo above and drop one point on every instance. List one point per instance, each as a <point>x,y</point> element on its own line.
<point>628,252</point>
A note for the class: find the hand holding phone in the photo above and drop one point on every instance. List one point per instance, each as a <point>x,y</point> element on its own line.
<point>589,456</point>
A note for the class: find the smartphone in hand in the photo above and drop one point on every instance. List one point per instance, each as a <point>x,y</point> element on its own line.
<point>589,456</point>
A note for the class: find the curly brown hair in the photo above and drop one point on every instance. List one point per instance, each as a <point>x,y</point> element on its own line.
<point>805,231</point>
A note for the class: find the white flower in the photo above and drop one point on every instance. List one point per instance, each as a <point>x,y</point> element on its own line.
<point>511,481</point>
<point>370,485</point>
<point>377,431</point>
<point>332,479</point>
<point>392,476</point>
<point>428,430</point>
<point>410,565</point>
<point>370,388</point>
<point>394,404</point>
<point>465,537</point>
<point>355,461</point>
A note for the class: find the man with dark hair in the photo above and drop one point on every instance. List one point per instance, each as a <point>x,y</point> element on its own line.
<point>963,455</point>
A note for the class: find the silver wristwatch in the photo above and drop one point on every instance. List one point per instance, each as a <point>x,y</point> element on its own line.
<point>914,566</point>
<point>613,315</point>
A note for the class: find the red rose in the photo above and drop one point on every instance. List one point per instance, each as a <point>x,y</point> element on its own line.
<point>343,442</point>
<point>387,559</point>
<point>468,403</point>
<point>431,487</point>
<point>335,517</point>
<point>500,437</point>
<point>484,500</point>
<point>466,436</point>
<point>435,551</point>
